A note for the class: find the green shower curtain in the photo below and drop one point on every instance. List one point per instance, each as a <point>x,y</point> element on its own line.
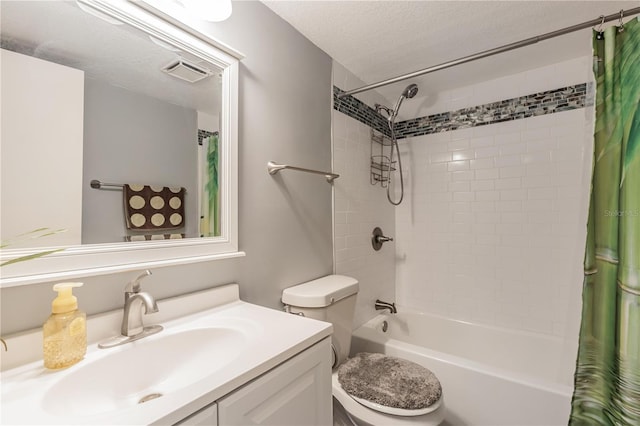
<point>210,197</point>
<point>607,379</point>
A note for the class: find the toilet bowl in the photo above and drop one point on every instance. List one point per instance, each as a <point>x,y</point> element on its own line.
<point>332,299</point>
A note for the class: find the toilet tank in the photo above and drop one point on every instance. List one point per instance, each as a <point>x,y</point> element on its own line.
<point>331,299</point>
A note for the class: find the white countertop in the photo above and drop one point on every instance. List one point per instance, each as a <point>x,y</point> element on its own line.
<point>277,337</point>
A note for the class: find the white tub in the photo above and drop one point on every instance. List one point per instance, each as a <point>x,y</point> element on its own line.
<point>490,376</point>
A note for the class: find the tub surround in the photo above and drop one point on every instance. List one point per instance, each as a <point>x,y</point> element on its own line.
<point>489,202</point>
<point>494,230</point>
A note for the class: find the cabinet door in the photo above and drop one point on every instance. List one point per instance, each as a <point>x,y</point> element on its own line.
<point>208,416</point>
<point>296,393</point>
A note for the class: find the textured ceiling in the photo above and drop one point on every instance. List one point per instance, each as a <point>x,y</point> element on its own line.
<point>377,40</point>
<point>58,31</point>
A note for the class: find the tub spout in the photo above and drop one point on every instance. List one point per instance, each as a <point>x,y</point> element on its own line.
<point>380,305</point>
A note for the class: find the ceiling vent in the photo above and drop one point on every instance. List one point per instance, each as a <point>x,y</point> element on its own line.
<point>187,71</point>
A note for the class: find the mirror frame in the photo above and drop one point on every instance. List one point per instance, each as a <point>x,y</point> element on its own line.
<point>98,259</point>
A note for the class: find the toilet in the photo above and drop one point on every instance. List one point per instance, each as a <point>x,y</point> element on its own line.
<point>333,299</point>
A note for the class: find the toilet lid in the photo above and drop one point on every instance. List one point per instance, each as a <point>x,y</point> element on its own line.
<point>390,384</point>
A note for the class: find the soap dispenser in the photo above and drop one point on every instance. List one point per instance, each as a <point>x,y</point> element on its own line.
<point>65,331</point>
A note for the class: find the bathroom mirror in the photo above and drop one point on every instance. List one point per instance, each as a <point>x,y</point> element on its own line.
<point>99,94</point>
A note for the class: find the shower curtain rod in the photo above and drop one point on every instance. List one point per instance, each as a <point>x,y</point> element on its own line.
<point>495,51</point>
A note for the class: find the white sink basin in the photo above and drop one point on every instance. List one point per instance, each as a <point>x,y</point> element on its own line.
<point>212,344</point>
<point>144,370</point>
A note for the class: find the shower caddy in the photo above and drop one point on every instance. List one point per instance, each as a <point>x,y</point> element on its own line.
<point>381,164</point>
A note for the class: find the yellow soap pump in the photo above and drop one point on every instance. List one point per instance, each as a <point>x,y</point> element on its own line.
<point>65,331</point>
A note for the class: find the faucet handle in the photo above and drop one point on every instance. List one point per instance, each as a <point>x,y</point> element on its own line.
<point>378,238</point>
<point>133,286</point>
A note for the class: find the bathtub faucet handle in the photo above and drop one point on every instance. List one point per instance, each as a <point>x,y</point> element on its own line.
<point>380,305</point>
<point>378,238</point>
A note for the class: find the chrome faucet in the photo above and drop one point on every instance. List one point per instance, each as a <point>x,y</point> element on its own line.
<point>132,326</point>
<point>133,301</point>
<point>379,305</point>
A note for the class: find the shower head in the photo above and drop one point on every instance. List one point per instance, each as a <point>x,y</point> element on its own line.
<point>409,92</point>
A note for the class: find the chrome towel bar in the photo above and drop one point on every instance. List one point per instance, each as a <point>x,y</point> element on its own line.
<point>96,184</point>
<point>274,168</point>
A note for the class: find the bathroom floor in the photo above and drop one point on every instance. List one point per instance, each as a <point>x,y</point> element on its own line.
<point>340,417</point>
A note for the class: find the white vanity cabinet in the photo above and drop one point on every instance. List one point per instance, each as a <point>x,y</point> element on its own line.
<point>295,393</point>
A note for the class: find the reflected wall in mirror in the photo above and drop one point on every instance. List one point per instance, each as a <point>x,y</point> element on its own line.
<point>144,103</point>
<point>117,127</point>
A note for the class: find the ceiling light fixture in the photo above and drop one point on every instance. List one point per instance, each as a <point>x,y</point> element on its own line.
<point>208,10</point>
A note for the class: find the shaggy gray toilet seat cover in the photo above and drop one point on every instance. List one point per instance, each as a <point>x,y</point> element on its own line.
<point>389,381</point>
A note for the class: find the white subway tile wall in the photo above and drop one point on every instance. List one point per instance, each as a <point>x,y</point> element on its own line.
<point>493,223</point>
<point>359,207</point>
<point>493,227</point>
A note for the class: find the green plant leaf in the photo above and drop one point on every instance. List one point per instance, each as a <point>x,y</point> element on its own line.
<point>29,257</point>
<point>31,235</point>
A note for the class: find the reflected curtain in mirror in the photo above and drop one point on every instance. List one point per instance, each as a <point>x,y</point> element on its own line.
<point>210,189</point>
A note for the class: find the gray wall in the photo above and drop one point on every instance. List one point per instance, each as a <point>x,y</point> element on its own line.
<point>133,138</point>
<point>285,221</point>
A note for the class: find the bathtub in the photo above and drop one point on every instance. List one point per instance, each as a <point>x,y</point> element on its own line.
<point>490,376</point>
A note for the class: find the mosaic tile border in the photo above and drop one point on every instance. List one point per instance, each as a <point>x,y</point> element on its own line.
<point>542,103</point>
<point>204,134</point>
<point>360,111</point>
<point>549,102</point>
